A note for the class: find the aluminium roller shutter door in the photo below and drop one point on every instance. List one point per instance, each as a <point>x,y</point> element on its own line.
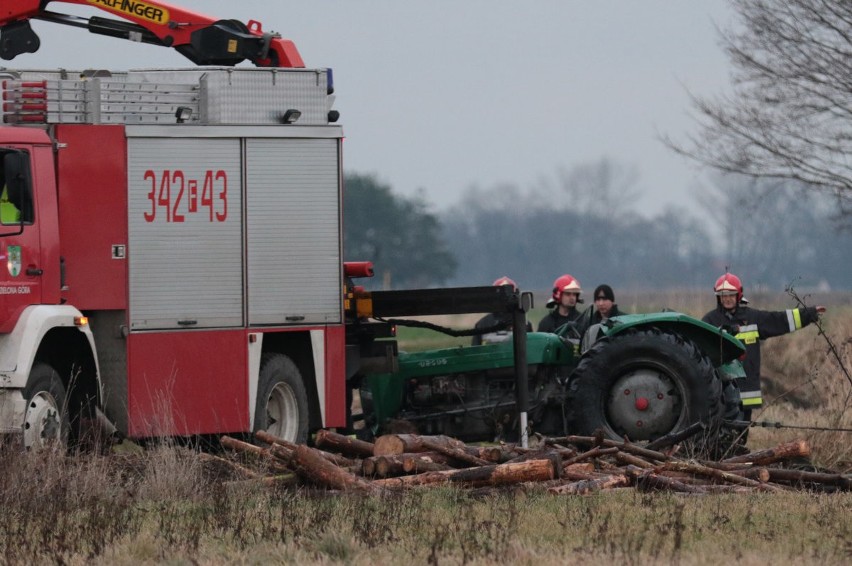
<point>293,231</point>
<point>185,233</point>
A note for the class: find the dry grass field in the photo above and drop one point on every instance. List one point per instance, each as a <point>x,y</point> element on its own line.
<point>164,506</point>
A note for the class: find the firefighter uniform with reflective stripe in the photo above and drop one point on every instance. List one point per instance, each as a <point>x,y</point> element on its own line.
<point>751,326</point>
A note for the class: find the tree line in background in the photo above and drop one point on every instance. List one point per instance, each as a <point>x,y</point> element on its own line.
<point>771,233</point>
<point>403,239</point>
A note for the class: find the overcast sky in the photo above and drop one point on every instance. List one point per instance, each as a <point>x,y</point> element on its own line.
<point>441,95</point>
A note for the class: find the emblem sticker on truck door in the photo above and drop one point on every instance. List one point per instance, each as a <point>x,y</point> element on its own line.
<point>13,262</point>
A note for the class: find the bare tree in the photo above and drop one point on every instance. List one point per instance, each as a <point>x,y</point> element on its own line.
<point>605,188</point>
<point>789,115</point>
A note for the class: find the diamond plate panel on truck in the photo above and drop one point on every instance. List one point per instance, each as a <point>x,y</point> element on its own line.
<point>185,262</point>
<point>250,96</point>
<point>263,97</point>
<point>293,227</point>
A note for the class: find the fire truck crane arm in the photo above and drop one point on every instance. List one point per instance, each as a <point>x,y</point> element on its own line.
<point>202,39</point>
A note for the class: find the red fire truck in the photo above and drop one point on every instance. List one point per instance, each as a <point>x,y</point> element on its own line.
<point>171,239</point>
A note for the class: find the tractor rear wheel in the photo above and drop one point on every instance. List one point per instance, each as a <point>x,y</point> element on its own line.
<point>642,385</point>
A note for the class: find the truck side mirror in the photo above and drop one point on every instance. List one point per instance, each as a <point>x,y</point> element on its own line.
<point>19,184</point>
<point>526,301</point>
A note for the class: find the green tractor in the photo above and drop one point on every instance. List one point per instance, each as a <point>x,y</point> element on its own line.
<point>638,377</point>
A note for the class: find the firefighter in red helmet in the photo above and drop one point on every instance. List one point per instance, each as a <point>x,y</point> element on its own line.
<point>563,301</point>
<point>505,280</point>
<point>493,320</point>
<point>751,326</point>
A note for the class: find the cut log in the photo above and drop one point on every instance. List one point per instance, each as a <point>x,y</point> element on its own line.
<point>417,466</point>
<point>537,454</point>
<point>334,442</point>
<point>589,454</point>
<point>676,437</point>
<point>264,436</point>
<point>565,451</point>
<point>572,476</point>
<point>638,450</point>
<point>339,460</point>
<point>745,470</point>
<point>722,475</point>
<point>800,476</point>
<point>583,471</point>
<point>315,468</point>
<point>335,459</point>
<point>402,443</point>
<point>626,446</point>
<point>243,447</point>
<point>263,454</point>
<point>587,486</point>
<point>724,466</point>
<point>435,457</point>
<point>760,474</point>
<point>368,466</point>
<point>387,466</point>
<point>625,458</point>
<point>786,451</point>
<point>420,462</point>
<point>456,453</point>
<point>518,450</point>
<point>586,467</point>
<point>687,478</point>
<point>391,444</point>
<point>493,454</point>
<point>282,453</point>
<point>650,480</point>
<point>490,475</point>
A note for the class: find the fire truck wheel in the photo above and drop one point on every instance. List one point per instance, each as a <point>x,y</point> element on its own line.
<point>643,385</point>
<point>282,403</point>
<point>46,415</point>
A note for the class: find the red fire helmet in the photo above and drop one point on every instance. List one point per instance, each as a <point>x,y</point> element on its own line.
<point>505,281</point>
<point>565,283</point>
<point>729,284</point>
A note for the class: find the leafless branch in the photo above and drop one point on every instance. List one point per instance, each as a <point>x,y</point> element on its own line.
<point>789,115</point>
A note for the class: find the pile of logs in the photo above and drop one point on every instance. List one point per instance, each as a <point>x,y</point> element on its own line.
<point>566,465</point>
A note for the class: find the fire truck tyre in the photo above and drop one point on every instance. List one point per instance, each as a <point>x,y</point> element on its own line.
<point>46,415</point>
<point>643,384</point>
<point>282,403</point>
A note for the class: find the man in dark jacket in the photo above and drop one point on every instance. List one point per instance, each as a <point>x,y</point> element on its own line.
<point>563,301</point>
<point>750,326</point>
<point>604,309</point>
